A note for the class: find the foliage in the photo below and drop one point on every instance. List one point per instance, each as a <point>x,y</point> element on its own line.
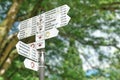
<point>94,25</point>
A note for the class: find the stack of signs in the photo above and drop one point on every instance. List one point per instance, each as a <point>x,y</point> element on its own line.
<point>43,27</point>
<point>40,38</point>
<point>27,51</point>
<point>54,18</point>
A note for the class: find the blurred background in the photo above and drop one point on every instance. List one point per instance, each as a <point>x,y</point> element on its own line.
<point>88,48</point>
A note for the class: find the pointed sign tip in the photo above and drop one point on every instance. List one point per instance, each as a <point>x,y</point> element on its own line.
<point>17,44</point>
<point>56,31</point>
<point>19,27</point>
<point>68,18</point>
<point>24,62</point>
<point>67,7</point>
<point>18,35</point>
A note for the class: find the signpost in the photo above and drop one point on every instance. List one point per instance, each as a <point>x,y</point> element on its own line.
<point>42,27</point>
<point>31,64</point>
<point>41,64</point>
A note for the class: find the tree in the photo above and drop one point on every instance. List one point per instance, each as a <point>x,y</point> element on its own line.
<point>88,19</point>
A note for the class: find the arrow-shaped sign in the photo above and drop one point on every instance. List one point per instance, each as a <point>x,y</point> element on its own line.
<point>54,18</point>
<point>31,64</point>
<point>47,34</point>
<point>27,51</point>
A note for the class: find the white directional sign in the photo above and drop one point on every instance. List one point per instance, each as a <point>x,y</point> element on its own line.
<point>54,18</point>
<point>38,44</point>
<point>47,34</point>
<point>57,17</point>
<point>27,51</point>
<point>31,64</point>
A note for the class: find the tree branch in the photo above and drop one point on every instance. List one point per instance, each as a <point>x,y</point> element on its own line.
<point>6,42</point>
<point>90,42</point>
<point>110,6</point>
<point>33,12</point>
<point>9,20</point>
<point>8,62</point>
<point>7,50</point>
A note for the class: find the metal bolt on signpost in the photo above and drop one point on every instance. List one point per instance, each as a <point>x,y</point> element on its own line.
<point>41,64</point>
